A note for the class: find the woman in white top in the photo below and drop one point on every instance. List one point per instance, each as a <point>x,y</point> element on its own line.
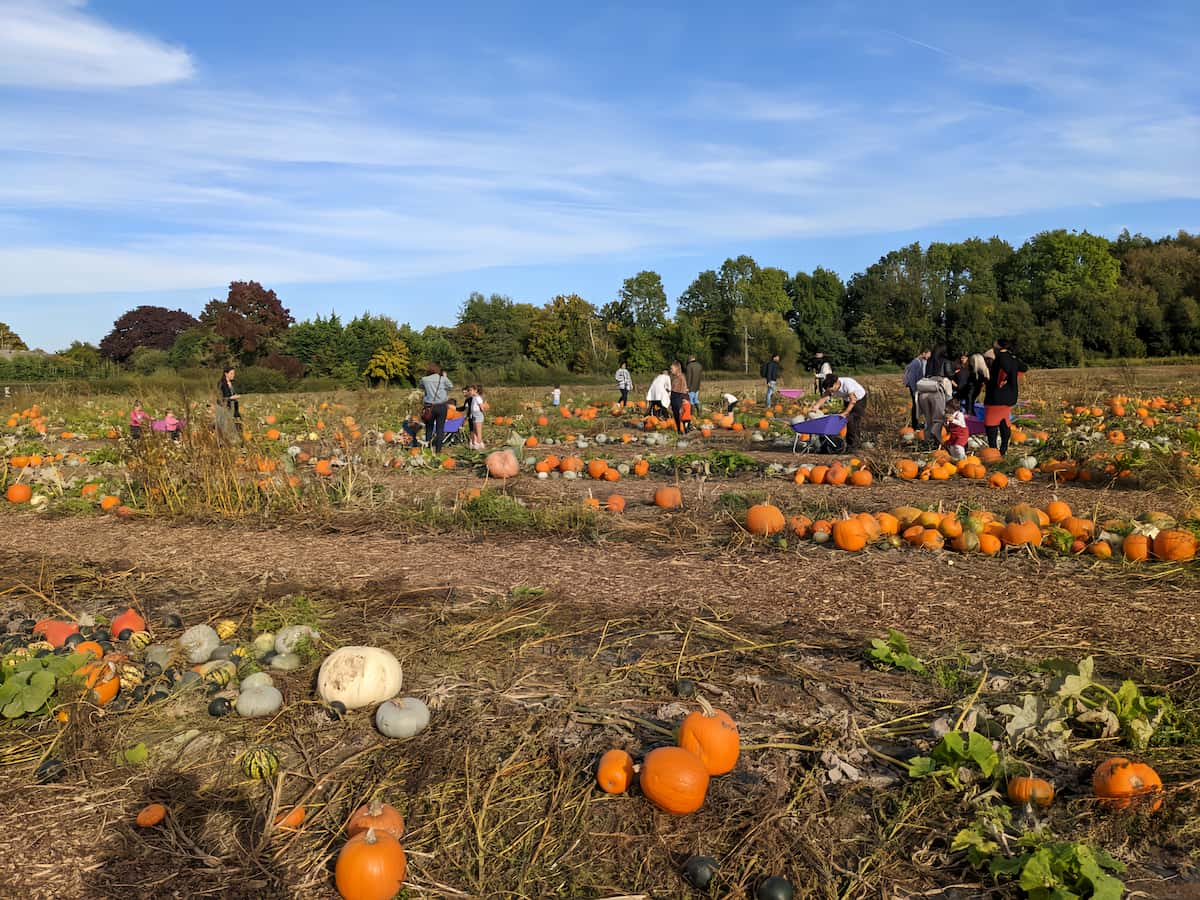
<point>659,394</point>
<point>624,383</point>
<point>855,396</point>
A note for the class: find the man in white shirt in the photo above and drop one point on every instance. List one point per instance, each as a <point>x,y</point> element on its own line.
<point>855,397</point>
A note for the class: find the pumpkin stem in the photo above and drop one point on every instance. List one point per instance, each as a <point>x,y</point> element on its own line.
<point>375,808</point>
<point>369,838</point>
<point>705,706</point>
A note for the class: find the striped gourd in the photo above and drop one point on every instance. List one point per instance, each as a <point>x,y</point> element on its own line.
<point>260,762</point>
<point>140,640</point>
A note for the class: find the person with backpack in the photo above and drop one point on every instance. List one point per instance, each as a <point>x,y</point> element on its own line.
<point>694,373</point>
<point>1000,394</point>
<point>435,388</point>
<point>770,371</point>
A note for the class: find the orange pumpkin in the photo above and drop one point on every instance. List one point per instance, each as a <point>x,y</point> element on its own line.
<point>1017,534</point>
<point>989,544</point>
<point>614,774</point>
<point>711,736</point>
<point>1024,474</point>
<point>151,815</point>
<point>1035,791</point>
<point>817,474</point>
<point>906,469</point>
<point>596,468</point>
<point>674,780</point>
<point>990,455</point>
<point>1057,510</point>
<point>55,631</point>
<point>1175,545</point>
<point>616,503</point>
<point>19,493</point>
<point>668,498</point>
<point>997,480</point>
<point>849,534</point>
<point>292,819</point>
<point>383,817</point>
<point>1119,783</point>
<point>371,866</point>
<point>861,477</point>
<point>130,620</point>
<point>1136,548</point>
<point>764,519</point>
<point>502,464</point>
<point>888,523</point>
<point>641,468</point>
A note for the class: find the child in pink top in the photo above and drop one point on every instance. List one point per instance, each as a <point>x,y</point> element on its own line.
<point>138,419</point>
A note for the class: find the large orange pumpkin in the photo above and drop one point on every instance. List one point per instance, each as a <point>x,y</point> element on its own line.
<point>848,534</point>
<point>614,774</point>
<point>764,519</point>
<point>371,866</point>
<point>1119,783</point>
<point>1017,534</point>
<point>1175,545</point>
<point>596,468</point>
<point>502,464</point>
<point>19,493</point>
<point>674,780</point>
<point>711,736</point>
<point>1057,510</point>
<point>668,498</point>
<point>861,477</point>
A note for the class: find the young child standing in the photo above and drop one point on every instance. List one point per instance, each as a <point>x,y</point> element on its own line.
<point>474,413</point>
<point>556,396</point>
<point>685,416</point>
<point>956,425</point>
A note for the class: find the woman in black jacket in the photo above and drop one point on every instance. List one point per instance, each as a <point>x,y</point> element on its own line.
<point>229,399</point>
<point>1000,394</point>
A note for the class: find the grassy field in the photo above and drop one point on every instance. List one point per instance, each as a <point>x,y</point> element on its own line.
<point>542,630</point>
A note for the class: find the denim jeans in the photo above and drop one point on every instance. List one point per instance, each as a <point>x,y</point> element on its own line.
<point>770,391</point>
<point>694,399</point>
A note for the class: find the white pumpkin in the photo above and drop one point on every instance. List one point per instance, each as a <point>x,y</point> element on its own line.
<point>199,642</point>
<point>359,676</point>
<point>1029,462</point>
<point>263,700</point>
<point>263,644</point>
<point>286,662</point>
<point>257,680</point>
<point>402,718</point>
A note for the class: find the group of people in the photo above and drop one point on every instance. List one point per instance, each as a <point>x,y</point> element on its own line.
<point>435,405</point>
<point>675,388</point>
<point>945,392</point>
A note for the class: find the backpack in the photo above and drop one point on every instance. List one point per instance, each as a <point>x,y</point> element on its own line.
<point>762,371</point>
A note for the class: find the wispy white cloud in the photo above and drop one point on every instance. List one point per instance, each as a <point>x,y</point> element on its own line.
<point>56,44</point>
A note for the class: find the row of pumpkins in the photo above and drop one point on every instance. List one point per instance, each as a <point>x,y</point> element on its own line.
<point>981,531</point>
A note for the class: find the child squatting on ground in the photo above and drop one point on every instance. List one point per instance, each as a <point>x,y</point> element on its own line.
<point>956,425</point>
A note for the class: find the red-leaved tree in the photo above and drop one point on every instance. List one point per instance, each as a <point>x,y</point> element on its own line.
<point>246,319</point>
<point>155,327</point>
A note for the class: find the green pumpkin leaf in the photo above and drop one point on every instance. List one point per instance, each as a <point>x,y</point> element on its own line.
<point>135,755</point>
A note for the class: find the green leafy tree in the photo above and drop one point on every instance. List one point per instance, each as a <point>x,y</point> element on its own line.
<point>84,356</point>
<point>816,311</point>
<point>197,346</point>
<point>644,297</point>
<point>867,346</point>
<point>390,364</point>
<point>319,343</point>
<point>769,333</point>
<point>365,335</point>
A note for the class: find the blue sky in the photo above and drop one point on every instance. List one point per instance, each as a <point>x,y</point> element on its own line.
<point>393,156</point>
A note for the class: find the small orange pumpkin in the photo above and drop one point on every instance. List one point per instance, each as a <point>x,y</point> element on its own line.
<point>849,535</point>
<point>668,498</point>
<point>1035,791</point>
<point>151,815</point>
<point>378,815</point>
<point>764,519</point>
<point>614,774</point>
<point>19,493</point>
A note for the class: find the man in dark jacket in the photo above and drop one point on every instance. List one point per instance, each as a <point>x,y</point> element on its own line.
<point>693,372</point>
<point>771,371</point>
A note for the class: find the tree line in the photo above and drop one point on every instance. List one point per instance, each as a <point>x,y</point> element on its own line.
<point>1062,297</point>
